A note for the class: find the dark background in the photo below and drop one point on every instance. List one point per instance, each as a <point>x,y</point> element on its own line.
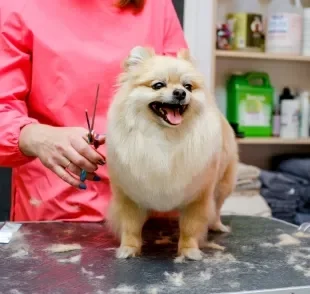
<point>5,192</point>
<point>5,173</point>
<point>179,7</point>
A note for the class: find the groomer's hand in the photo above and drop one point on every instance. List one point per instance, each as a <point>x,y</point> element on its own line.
<point>64,150</point>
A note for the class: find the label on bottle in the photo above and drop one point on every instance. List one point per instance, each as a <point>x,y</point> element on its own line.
<point>254,111</point>
<point>290,114</point>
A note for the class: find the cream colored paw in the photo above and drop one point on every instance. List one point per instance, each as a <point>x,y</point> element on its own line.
<point>219,227</point>
<point>191,253</point>
<point>127,251</point>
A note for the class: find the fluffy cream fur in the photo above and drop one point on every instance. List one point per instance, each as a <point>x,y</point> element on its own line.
<point>154,166</point>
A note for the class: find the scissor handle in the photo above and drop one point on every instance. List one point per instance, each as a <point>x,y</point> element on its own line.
<point>92,139</point>
<point>96,144</point>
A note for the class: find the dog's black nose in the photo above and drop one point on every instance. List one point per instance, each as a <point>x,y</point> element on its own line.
<point>179,94</point>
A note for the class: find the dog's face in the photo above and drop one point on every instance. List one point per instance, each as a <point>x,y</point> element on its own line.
<point>163,89</point>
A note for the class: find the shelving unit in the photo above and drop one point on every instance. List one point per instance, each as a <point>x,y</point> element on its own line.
<point>284,70</point>
<point>260,55</point>
<point>274,141</point>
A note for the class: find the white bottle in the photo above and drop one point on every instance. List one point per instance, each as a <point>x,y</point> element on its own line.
<point>290,109</point>
<point>304,114</point>
<point>306,33</point>
<point>284,29</point>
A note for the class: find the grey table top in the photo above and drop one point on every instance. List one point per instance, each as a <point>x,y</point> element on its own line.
<point>254,260</point>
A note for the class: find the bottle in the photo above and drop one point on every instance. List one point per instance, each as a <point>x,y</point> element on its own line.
<point>286,94</point>
<point>290,113</point>
<point>276,122</point>
<point>306,33</point>
<point>284,28</point>
<point>249,103</point>
<point>304,114</point>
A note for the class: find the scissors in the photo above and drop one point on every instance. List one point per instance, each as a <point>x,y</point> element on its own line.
<point>91,138</point>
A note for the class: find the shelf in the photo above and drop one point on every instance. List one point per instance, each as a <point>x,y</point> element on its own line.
<point>274,141</point>
<point>261,55</point>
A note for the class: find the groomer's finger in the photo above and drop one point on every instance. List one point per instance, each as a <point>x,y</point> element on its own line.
<point>65,176</point>
<point>103,160</point>
<point>79,160</point>
<point>86,151</point>
<point>73,169</point>
<point>77,171</point>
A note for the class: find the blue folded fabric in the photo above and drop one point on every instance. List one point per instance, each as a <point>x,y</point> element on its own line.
<point>287,190</point>
<point>302,218</point>
<point>299,167</point>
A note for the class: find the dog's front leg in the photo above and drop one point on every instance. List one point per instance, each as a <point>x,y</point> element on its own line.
<point>193,226</point>
<point>127,219</point>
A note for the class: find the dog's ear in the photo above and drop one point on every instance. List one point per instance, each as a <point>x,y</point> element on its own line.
<point>184,54</point>
<point>138,55</point>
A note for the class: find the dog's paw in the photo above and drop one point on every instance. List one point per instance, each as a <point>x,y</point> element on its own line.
<point>126,252</point>
<point>191,253</point>
<point>219,227</point>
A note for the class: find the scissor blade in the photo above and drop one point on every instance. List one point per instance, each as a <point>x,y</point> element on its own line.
<point>89,135</point>
<point>95,108</point>
<point>87,119</point>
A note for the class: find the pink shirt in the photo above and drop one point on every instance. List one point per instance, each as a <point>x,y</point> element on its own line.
<point>53,54</point>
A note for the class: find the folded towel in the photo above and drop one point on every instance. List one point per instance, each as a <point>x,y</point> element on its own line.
<point>246,203</point>
<point>248,185</point>
<point>247,173</point>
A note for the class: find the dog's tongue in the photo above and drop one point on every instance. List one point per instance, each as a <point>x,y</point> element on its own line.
<point>173,116</point>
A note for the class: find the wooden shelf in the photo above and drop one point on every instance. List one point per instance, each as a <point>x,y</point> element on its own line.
<point>260,55</point>
<point>274,141</point>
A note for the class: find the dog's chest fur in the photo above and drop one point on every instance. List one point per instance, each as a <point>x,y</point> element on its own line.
<point>158,173</point>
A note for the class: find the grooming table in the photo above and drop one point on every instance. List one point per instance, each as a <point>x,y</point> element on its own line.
<point>250,263</point>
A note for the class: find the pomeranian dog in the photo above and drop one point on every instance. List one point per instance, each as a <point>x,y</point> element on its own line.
<point>168,148</point>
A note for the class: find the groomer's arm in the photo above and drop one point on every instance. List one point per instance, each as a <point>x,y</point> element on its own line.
<point>174,39</point>
<point>15,79</point>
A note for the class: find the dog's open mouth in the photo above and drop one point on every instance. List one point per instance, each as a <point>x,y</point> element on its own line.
<point>170,113</point>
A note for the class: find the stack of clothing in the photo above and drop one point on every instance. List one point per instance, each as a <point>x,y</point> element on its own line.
<point>248,181</point>
<point>287,190</point>
<point>246,199</point>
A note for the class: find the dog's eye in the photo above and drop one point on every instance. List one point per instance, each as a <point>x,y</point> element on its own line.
<point>188,87</point>
<point>158,86</point>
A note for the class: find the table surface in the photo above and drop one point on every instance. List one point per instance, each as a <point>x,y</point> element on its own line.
<point>252,260</point>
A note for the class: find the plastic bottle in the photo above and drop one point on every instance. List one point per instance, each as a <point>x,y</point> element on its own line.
<point>304,115</point>
<point>284,29</point>
<point>290,113</point>
<point>249,103</point>
<point>306,32</point>
<point>276,121</point>
<point>286,94</point>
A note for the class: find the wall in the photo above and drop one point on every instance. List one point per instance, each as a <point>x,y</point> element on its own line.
<point>199,33</point>
<point>179,7</point>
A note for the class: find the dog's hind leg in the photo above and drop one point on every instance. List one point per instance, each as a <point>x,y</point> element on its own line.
<point>223,190</point>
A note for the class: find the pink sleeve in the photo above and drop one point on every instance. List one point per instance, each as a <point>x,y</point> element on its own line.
<point>15,73</point>
<point>174,39</point>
